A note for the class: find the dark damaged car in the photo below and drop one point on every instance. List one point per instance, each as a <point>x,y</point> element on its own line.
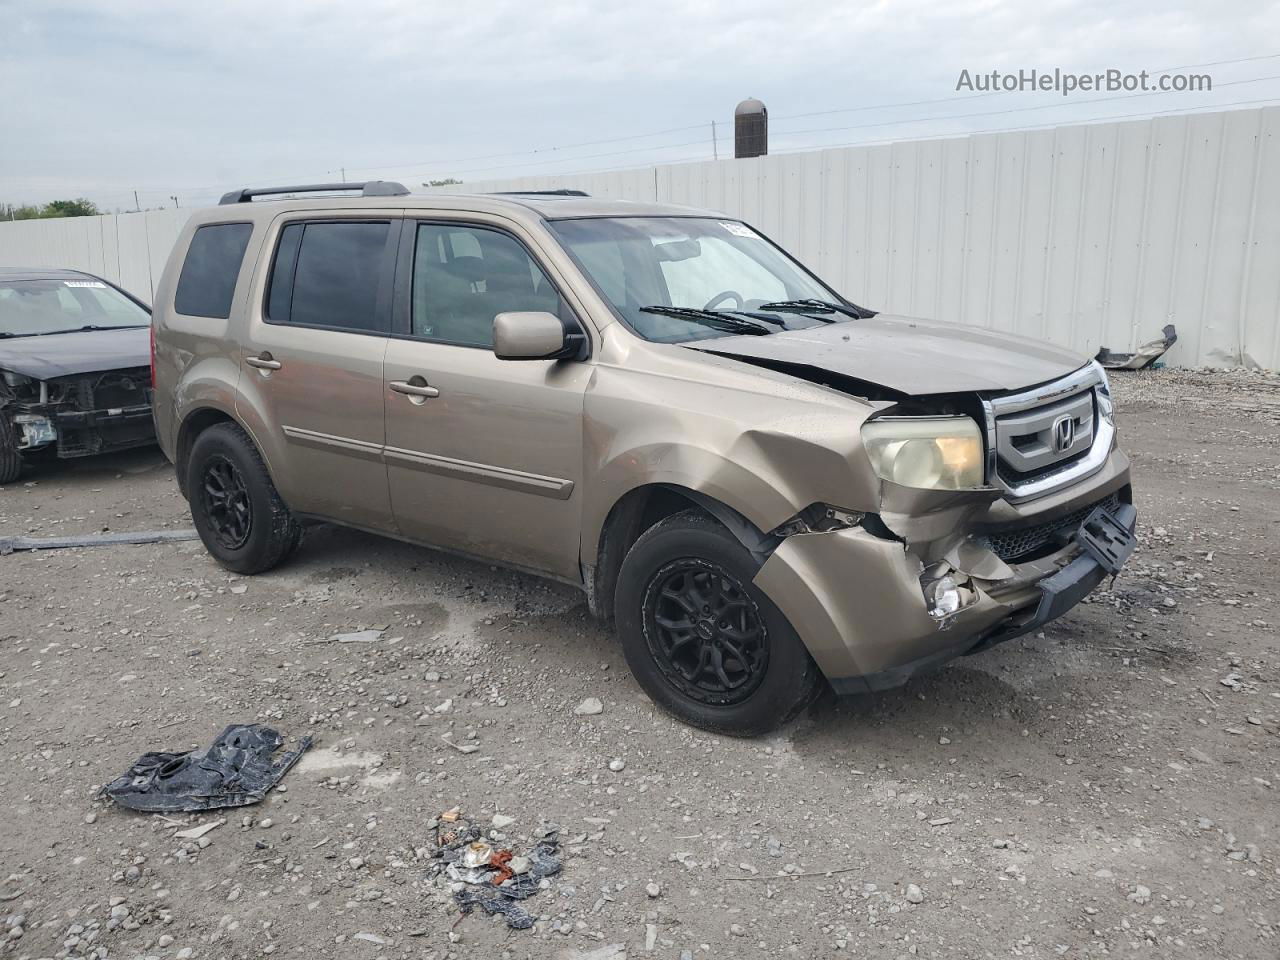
<point>75,374</point>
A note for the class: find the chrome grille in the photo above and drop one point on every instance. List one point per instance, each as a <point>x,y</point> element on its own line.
<point>1035,442</point>
<point>1050,436</point>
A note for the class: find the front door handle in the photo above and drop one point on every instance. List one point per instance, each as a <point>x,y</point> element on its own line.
<point>264,361</point>
<point>415,388</point>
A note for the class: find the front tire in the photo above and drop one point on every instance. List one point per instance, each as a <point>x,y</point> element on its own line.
<point>240,517</point>
<point>10,458</point>
<point>701,639</point>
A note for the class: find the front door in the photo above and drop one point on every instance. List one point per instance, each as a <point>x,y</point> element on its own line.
<point>483,455</point>
<point>311,377</point>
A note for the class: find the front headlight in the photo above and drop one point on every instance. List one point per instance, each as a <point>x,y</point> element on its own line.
<point>930,454</point>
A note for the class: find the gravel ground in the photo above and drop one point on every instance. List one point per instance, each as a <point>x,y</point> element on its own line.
<point>1106,787</point>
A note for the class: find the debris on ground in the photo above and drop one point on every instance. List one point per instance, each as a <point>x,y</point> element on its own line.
<point>234,771</point>
<point>493,878</point>
<point>589,707</point>
<point>195,833</point>
<point>1141,358</point>
<point>13,544</point>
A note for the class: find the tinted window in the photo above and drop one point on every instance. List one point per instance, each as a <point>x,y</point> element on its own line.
<point>327,275</point>
<point>464,276</point>
<point>208,279</point>
<point>280,295</point>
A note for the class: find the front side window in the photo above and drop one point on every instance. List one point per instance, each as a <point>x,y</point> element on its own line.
<point>326,274</point>
<point>464,276</point>
<point>208,279</point>
<point>33,308</point>
<point>721,269</point>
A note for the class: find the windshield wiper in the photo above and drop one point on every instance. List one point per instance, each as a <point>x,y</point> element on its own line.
<point>89,327</point>
<point>812,305</point>
<point>710,318</point>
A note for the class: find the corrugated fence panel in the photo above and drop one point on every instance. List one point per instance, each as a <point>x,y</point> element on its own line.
<point>1089,235</point>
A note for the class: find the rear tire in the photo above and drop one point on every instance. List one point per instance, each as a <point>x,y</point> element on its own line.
<point>239,515</point>
<point>704,642</point>
<point>10,458</point>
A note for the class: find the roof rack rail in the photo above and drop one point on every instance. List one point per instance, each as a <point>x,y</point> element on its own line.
<point>562,192</point>
<point>367,188</point>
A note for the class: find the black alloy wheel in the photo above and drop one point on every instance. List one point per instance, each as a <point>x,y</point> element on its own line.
<point>227,502</point>
<point>705,632</point>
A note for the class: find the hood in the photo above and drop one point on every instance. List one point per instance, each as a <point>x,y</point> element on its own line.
<point>911,356</point>
<point>67,354</point>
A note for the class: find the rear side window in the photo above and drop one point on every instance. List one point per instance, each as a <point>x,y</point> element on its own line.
<point>208,279</point>
<point>327,275</point>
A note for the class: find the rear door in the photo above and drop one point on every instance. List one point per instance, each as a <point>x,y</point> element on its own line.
<point>483,455</point>
<point>312,364</point>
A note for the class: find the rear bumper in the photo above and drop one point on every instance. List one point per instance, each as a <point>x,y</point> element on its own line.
<point>857,602</point>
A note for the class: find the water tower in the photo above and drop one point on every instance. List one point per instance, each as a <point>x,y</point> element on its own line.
<point>750,129</point>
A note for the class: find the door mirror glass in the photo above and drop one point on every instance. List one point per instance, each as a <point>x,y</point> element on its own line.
<point>528,335</point>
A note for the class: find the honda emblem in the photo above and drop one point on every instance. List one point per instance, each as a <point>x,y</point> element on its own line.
<point>1064,434</point>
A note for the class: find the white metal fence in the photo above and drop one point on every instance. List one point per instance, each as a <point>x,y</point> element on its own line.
<point>1087,235</point>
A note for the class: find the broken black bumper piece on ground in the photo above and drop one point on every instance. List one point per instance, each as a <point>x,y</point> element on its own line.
<point>1141,358</point>
<point>236,770</point>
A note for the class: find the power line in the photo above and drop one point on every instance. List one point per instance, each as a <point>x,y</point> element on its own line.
<point>452,164</point>
<point>1202,108</point>
<point>1042,106</point>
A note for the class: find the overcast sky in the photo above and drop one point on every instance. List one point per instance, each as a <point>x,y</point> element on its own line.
<point>193,98</point>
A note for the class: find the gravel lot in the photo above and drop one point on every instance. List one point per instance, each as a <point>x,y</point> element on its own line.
<point>1105,788</point>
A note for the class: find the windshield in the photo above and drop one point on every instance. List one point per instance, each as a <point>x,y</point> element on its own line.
<point>31,308</point>
<point>684,278</point>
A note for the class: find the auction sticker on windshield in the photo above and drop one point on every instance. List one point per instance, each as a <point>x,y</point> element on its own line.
<point>738,229</point>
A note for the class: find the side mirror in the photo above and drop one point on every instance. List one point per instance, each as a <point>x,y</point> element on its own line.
<point>528,335</point>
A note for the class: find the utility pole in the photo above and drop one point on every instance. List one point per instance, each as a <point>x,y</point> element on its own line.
<point>176,205</point>
<point>343,171</point>
<point>715,149</point>
<point>136,204</point>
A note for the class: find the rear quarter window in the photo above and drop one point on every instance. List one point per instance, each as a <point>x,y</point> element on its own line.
<point>207,283</point>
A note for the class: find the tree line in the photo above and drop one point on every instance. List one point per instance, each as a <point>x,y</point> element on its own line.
<point>54,208</point>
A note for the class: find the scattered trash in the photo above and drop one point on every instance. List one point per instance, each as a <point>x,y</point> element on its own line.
<point>612,951</point>
<point>1141,358</point>
<point>234,771</point>
<point>354,636</point>
<point>373,938</point>
<point>195,833</point>
<point>461,747</point>
<point>12,544</point>
<point>477,854</point>
<point>493,879</point>
<point>588,708</point>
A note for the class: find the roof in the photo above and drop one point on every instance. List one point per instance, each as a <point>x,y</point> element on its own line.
<point>42,273</point>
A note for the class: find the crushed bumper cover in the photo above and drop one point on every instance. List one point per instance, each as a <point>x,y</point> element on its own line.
<point>856,601</point>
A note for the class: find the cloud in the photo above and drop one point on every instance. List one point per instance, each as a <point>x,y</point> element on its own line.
<point>102,98</point>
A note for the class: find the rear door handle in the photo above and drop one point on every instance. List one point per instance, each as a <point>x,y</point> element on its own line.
<point>264,362</point>
<point>415,391</point>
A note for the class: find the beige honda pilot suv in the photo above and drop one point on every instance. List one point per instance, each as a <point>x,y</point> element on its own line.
<point>763,484</point>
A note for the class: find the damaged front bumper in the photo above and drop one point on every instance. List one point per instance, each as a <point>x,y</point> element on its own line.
<point>81,415</point>
<point>857,597</point>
